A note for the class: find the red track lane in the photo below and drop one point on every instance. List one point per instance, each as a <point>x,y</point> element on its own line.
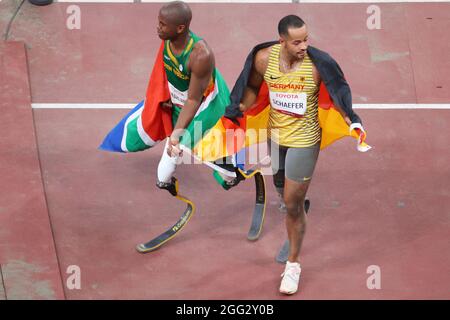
<point>388,207</point>
<point>110,58</point>
<point>385,208</point>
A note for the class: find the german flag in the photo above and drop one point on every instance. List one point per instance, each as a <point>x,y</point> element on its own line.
<point>228,137</point>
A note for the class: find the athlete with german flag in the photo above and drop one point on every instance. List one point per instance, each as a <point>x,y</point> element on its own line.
<point>294,79</point>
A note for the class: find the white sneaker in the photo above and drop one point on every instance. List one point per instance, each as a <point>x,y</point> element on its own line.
<point>291,277</point>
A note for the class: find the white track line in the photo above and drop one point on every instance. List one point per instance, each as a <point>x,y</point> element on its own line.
<point>371,106</point>
<point>258,1</point>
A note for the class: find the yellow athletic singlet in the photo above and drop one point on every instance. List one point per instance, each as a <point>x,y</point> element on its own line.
<point>294,103</point>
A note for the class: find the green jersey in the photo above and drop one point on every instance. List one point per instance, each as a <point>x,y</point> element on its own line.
<point>177,72</point>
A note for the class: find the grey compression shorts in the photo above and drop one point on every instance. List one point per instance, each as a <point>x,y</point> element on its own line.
<point>298,163</point>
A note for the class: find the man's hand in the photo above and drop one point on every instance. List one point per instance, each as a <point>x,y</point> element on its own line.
<point>173,148</point>
<point>167,105</point>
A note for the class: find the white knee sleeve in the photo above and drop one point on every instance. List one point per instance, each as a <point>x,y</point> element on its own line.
<point>167,166</point>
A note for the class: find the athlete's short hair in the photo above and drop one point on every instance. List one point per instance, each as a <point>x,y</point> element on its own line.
<point>290,21</point>
<point>178,11</point>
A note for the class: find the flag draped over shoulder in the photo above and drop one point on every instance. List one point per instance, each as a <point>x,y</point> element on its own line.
<point>148,123</point>
<point>212,135</point>
<point>334,91</point>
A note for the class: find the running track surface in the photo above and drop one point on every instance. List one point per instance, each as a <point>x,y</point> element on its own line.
<point>63,202</point>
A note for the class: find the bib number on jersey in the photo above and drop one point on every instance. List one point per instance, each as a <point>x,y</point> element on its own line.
<point>177,97</point>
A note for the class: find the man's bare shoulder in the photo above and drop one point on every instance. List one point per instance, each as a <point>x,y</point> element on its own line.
<point>202,50</point>
<point>201,57</point>
<point>263,54</point>
<point>262,60</point>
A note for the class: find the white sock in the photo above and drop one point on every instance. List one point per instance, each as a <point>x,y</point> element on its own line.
<point>295,263</point>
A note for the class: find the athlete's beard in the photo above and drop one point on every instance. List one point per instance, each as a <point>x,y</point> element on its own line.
<point>291,57</point>
<point>162,37</point>
<point>294,56</point>
<point>301,55</point>
<point>167,37</point>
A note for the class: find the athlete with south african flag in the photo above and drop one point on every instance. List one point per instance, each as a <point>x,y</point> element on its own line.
<point>190,69</point>
<point>186,97</point>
